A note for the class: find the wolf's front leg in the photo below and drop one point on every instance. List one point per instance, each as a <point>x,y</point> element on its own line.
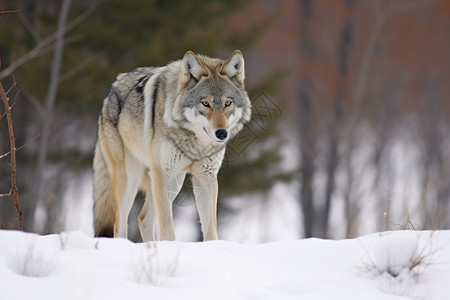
<point>205,191</point>
<point>163,206</point>
<point>125,187</point>
<point>147,216</point>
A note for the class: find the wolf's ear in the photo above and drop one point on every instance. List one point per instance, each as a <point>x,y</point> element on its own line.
<point>191,66</point>
<point>233,66</point>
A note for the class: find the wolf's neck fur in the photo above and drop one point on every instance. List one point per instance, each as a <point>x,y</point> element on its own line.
<point>186,141</point>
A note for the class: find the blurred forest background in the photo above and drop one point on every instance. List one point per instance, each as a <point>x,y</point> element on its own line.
<point>351,118</point>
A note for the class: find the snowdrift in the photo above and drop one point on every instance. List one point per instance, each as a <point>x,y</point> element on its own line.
<point>388,265</point>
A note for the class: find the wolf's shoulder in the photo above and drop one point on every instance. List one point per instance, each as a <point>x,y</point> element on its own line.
<point>129,79</point>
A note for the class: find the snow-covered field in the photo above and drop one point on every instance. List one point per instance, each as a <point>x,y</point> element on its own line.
<point>388,265</point>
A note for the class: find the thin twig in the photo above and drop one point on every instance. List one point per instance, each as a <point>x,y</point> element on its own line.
<point>8,12</point>
<point>14,191</point>
<point>37,38</point>
<point>17,149</point>
<point>45,43</point>
<point>5,195</point>
<point>76,70</point>
<point>34,101</point>
<point>15,97</point>
<point>12,86</point>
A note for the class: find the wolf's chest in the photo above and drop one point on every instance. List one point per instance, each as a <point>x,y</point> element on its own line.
<point>178,158</point>
<point>191,147</point>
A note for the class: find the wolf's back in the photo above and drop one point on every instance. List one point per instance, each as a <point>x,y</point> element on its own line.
<point>125,93</point>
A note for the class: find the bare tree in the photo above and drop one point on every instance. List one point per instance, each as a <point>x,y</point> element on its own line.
<point>307,133</point>
<point>337,93</point>
<point>44,45</point>
<point>13,191</point>
<point>49,107</point>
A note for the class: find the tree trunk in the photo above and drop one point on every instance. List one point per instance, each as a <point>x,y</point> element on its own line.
<point>48,117</point>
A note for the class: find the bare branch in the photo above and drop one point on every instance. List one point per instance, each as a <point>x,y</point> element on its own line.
<point>23,146</point>
<point>30,27</point>
<point>35,102</point>
<point>76,70</point>
<point>36,51</point>
<point>5,195</point>
<point>14,191</point>
<point>12,86</point>
<point>42,46</point>
<point>15,97</point>
<point>8,12</point>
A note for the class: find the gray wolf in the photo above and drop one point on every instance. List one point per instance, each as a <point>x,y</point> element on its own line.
<point>156,125</point>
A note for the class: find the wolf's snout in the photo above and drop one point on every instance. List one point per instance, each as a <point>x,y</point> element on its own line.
<point>221,134</point>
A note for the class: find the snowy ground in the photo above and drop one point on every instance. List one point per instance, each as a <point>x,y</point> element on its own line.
<point>390,265</point>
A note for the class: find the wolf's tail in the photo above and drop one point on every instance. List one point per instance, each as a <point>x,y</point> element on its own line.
<point>104,204</point>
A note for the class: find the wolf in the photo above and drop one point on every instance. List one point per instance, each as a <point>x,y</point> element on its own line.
<point>156,125</point>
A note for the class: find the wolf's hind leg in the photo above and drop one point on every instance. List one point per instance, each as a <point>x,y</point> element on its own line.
<point>104,204</point>
<point>108,173</point>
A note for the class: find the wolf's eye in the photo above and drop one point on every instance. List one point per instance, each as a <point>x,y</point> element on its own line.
<point>228,103</point>
<point>205,103</point>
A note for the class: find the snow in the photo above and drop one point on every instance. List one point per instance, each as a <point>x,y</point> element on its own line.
<point>72,265</point>
<point>386,256</point>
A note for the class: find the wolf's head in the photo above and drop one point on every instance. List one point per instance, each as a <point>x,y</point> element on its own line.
<point>212,97</point>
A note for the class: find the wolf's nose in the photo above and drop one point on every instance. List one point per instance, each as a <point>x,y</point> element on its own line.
<point>221,134</point>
